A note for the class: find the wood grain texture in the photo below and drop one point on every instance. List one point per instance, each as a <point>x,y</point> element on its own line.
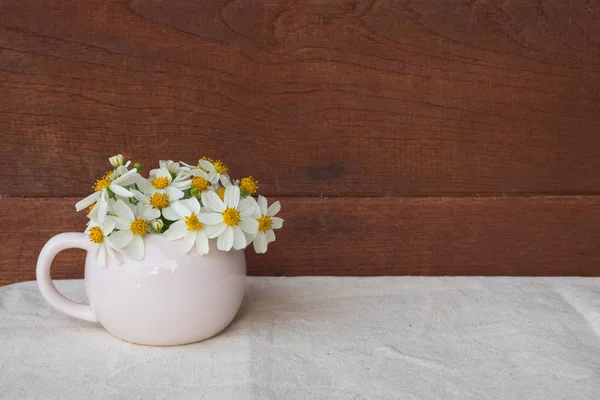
<point>353,98</point>
<point>366,236</point>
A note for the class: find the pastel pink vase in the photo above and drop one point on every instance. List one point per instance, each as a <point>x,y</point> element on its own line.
<point>167,298</point>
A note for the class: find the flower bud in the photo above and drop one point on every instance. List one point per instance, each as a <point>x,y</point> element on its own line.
<point>138,166</point>
<point>116,161</point>
<point>157,225</point>
<point>249,186</point>
<point>194,192</point>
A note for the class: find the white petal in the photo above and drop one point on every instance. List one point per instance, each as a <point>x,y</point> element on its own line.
<point>145,186</point>
<point>212,202</point>
<point>110,246</point>
<point>245,206</point>
<point>88,201</point>
<point>274,209</point>
<point>93,215</point>
<point>249,225</point>
<point>276,222</point>
<point>206,165</point>
<point>176,231</point>
<point>121,239</point>
<point>225,181</point>
<point>102,207</point>
<point>212,231</point>
<point>121,170</point>
<point>249,237</point>
<point>123,211</point>
<point>139,196</point>
<point>262,203</point>
<point>180,208</point>
<point>162,173</point>
<point>198,172</point>
<point>181,183</point>
<point>150,213</point>
<point>270,235</point>
<point>212,177</point>
<point>188,241</point>
<point>120,190</point>
<point>187,203</point>
<point>239,240</point>
<point>108,225</point>
<point>170,214</point>
<point>210,218</point>
<point>135,249</point>
<point>260,243</point>
<point>153,172</point>
<point>187,165</point>
<point>201,243</point>
<point>137,209</point>
<point>232,196</point>
<point>128,178</point>
<point>225,241</point>
<point>194,205</point>
<point>174,193</point>
<point>249,208</point>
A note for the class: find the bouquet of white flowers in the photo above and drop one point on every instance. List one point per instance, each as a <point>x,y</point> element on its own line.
<point>191,203</point>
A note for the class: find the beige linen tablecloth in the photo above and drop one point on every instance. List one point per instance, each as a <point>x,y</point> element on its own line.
<point>327,338</point>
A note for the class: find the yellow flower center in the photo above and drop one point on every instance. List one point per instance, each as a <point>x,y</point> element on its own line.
<point>139,227</point>
<point>96,235</point>
<point>249,184</point>
<point>192,223</point>
<point>231,216</point>
<point>264,223</point>
<point>221,193</point>
<point>160,183</point>
<point>159,200</point>
<point>104,182</point>
<point>91,208</point>
<point>220,167</point>
<point>200,183</point>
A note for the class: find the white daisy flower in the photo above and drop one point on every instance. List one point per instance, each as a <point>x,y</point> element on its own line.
<point>161,178</point>
<point>191,225</point>
<point>199,180</point>
<point>216,170</point>
<point>235,218</point>
<point>132,226</point>
<point>116,182</point>
<point>159,199</point>
<point>266,223</point>
<point>172,166</point>
<point>99,234</point>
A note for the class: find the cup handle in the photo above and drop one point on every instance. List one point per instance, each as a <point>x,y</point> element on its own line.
<point>55,245</point>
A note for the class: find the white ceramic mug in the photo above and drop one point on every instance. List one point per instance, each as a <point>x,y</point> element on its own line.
<point>167,298</point>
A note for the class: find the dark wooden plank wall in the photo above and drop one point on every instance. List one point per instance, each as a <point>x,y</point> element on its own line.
<point>369,236</point>
<point>488,107</point>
